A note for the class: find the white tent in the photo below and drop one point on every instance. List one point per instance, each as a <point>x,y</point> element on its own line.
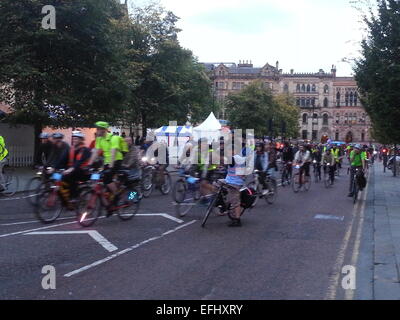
<point>210,129</point>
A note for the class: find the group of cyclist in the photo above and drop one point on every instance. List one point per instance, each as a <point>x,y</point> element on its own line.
<point>117,153</point>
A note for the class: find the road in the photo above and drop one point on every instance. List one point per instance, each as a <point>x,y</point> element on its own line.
<point>293,249</point>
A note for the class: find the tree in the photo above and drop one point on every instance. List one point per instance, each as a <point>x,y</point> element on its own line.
<point>173,84</point>
<point>378,71</point>
<point>256,108</point>
<point>70,76</point>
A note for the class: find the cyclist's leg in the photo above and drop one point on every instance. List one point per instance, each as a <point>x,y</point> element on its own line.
<point>233,200</point>
<point>2,180</point>
<point>352,172</point>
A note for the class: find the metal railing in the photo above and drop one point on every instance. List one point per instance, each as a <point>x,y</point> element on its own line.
<point>19,156</point>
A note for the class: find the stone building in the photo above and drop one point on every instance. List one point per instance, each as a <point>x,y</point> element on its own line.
<point>329,105</point>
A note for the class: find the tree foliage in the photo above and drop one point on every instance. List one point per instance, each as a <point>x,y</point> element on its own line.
<point>378,71</point>
<point>256,108</point>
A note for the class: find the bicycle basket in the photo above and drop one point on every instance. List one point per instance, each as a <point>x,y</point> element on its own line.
<point>247,197</point>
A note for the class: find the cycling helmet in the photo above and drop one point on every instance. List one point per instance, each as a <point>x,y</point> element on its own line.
<point>358,146</point>
<point>78,134</point>
<point>44,135</point>
<point>247,197</point>
<point>58,135</point>
<point>102,125</point>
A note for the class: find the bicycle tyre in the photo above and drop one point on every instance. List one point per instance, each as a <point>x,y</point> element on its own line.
<point>31,190</point>
<point>133,209</point>
<point>296,185</point>
<point>179,191</point>
<point>55,210</point>
<point>88,198</point>
<point>166,187</point>
<point>271,197</point>
<point>10,180</point>
<point>210,208</point>
<point>355,192</point>
<point>147,184</point>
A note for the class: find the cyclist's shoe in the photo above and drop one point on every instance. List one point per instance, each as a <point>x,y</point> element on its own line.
<point>235,223</point>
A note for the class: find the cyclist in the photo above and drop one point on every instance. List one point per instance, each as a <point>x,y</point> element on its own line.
<point>205,167</point>
<point>303,158</point>
<point>336,153</point>
<point>316,155</point>
<point>328,161</point>
<point>58,158</point>
<point>261,165</point>
<point>45,150</point>
<point>78,163</point>
<point>287,157</point>
<point>235,179</point>
<point>109,144</point>
<point>3,161</point>
<point>357,161</point>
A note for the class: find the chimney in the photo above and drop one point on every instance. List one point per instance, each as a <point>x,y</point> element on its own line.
<point>277,65</point>
<point>333,71</point>
<point>291,71</point>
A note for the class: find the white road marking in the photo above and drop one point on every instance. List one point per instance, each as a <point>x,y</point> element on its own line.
<point>20,198</point>
<point>115,255</point>
<point>94,234</point>
<point>165,215</point>
<point>334,279</point>
<point>31,230</point>
<point>349,295</point>
<point>328,217</point>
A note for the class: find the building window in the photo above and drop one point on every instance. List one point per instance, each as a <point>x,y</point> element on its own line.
<point>314,88</point>
<point>326,89</point>
<point>326,104</point>
<point>363,136</point>
<point>308,88</point>
<point>298,102</point>
<point>298,88</point>
<point>325,119</point>
<point>303,102</point>
<point>303,88</point>
<point>308,102</point>
<point>313,102</point>
<point>346,118</point>
<point>347,99</point>
<point>338,99</point>
<point>337,136</point>
<point>305,118</point>
<point>314,135</point>
<point>337,118</point>
<point>304,134</point>
<point>286,88</point>
<point>355,98</point>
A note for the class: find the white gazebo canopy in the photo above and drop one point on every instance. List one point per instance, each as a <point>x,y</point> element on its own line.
<point>210,129</point>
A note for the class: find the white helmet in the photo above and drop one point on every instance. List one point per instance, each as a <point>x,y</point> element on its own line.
<point>78,134</point>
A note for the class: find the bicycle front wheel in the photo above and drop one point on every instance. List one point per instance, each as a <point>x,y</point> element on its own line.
<point>49,206</point>
<point>272,192</point>
<point>129,203</point>
<point>296,183</point>
<point>88,209</point>
<point>166,187</point>
<point>11,182</point>
<point>32,190</point>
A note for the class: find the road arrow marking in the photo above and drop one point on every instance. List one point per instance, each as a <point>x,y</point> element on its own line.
<point>94,234</point>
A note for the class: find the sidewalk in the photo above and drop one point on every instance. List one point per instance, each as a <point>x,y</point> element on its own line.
<point>380,250</point>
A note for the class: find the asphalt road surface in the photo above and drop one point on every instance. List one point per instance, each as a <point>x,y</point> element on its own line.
<point>293,249</point>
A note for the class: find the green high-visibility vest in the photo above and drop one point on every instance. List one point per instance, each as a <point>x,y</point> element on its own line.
<point>3,150</point>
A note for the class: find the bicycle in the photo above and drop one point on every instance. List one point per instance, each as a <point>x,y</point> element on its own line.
<point>272,187</point>
<point>126,201</point>
<point>299,182</point>
<point>287,174</point>
<point>50,202</point>
<point>328,179</point>
<point>11,180</point>
<point>317,171</point>
<point>152,180</point>
<point>356,187</point>
<point>186,192</point>
<point>36,185</point>
<point>220,201</point>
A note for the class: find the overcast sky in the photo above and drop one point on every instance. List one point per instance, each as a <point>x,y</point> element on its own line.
<point>304,35</point>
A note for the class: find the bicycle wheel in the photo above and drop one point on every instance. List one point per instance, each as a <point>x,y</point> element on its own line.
<point>11,181</point>
<point>166,187</point>
<point>296,183</point>
<point>255,186</point>
<point>179,190</point>
<point>129,204</point>
<point>49,206</point>
<point>88,209</point>
<point>327,180</point>
<point>284,177</point>
<point>272,191</point>
<point>210,208</point>
<point>307,183</point>
<point>355,191</point>
<point>147,184</point>
<point>31,190</point>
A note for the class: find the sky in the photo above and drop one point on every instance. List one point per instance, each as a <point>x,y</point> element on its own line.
<point>304,35</point>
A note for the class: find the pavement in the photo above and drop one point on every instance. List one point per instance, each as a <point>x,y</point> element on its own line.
<point>379,263</point>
